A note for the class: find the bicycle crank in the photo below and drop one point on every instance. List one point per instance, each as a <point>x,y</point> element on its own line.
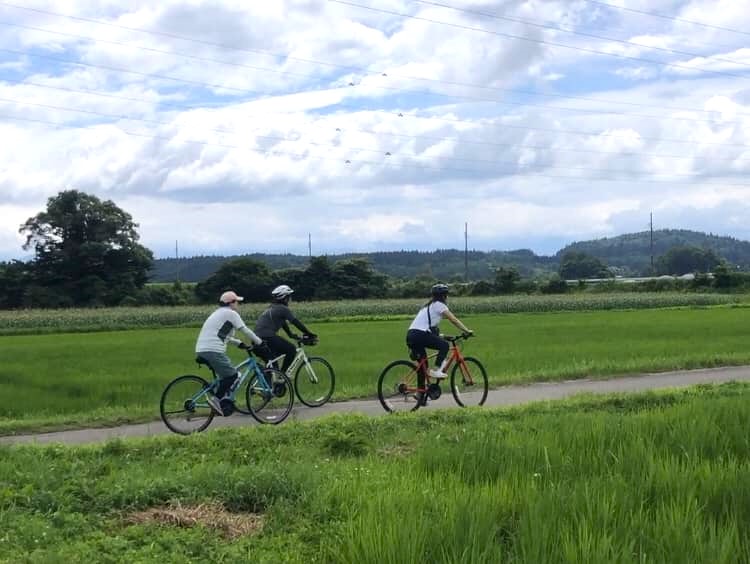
<point>227,406</point>
<point>434,391</point>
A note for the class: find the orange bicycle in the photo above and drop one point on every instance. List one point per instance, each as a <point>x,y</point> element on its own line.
<point>405,386</point>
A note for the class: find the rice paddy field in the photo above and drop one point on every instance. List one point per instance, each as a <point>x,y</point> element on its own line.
<point>62,370</point>
<point>653,478</point>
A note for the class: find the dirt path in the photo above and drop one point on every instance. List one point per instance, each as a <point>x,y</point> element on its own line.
<point>509,395</point>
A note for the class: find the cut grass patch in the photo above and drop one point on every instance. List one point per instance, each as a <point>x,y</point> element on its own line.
<point>212,515</point>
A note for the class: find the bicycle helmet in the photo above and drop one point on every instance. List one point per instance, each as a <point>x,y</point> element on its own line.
<point>280,293</point>
<point>439,290</point>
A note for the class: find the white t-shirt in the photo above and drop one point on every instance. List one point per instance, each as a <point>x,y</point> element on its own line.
<point>219,329</point>
<point>421,321</point>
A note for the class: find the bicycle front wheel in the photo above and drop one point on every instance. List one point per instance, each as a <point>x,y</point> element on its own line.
<point>314,382</point>
<point>469,382</point>
<point>183,406</point>
<point>270,400</point>
<point>397,387</point>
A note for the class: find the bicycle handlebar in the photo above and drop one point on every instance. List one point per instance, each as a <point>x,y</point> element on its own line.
<point>457,338</point>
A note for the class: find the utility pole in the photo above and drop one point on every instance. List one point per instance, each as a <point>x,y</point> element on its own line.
<point>466,252</point>
<point>176,257</point>
<point>309,246</point>
<point>651,227</point>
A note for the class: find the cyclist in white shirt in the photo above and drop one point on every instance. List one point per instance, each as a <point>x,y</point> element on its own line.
<point>217,331</point>
<point>424,334</point>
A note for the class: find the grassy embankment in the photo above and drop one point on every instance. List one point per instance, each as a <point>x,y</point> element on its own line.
<point>656,477</point>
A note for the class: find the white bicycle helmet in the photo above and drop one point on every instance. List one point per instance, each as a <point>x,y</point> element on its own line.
<point>281,292</point>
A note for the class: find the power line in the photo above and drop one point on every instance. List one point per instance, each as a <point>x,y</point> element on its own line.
<point>386,133</point>
<point>340,66</point>
<point>386,88</point>
<point>503,125</point>
<point>581,33</point>
<point>540,41</point>
<point>347,161</point>
<point>664,16</point>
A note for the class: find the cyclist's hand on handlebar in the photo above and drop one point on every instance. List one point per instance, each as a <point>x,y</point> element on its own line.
<point>262,349</point>
<point>243,346</point>
<point>468,333</point>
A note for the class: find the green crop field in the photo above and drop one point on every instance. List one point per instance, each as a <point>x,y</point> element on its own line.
<point>102,378</point>
<point>653,478</point>
<point>109,319</point>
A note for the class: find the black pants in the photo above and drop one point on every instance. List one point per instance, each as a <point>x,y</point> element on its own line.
<point>418,341</point>
<point>279,345</point>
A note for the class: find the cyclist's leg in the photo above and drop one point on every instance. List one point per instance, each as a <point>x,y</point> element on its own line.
<point>433,341</point>
<point>226,374</point>
<point>416,342</point>
<point>279,345</point>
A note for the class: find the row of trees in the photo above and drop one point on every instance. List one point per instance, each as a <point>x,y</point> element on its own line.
<point>86,253</point>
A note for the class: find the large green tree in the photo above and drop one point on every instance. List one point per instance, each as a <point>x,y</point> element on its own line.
<point>575,265</point>
<point>87,252</point>
<point>250,278</point>
<point>686,259</point>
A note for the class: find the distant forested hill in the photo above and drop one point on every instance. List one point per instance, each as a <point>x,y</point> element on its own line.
<point>629,252</point>
<point>444,264</point>
<point>632,251</point>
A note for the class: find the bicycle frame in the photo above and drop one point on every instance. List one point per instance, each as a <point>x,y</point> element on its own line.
<point>300,359</point>
<point>244,369</point>
<point>454,355</point>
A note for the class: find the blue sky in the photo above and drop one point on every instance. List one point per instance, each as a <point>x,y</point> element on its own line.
<point>236,127</point>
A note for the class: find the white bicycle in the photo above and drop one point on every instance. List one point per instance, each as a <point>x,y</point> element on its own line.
<point>314,379</point>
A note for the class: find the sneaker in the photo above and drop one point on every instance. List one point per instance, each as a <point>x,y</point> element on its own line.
<point>215,404</point>
<point>437,374</point>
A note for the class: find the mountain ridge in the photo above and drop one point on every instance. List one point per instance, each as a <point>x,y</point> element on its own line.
<point>630,253</point>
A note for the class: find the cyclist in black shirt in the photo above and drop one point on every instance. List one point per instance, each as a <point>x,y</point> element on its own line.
<point>278,316</point>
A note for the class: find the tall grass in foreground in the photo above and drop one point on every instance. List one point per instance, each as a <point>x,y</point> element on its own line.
<point>656,477</point>
<point>671,485</point>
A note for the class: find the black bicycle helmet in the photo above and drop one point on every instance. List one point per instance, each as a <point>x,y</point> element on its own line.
<point>439,290</point>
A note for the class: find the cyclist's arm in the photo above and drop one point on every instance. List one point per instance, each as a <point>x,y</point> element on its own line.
<point>285,327</point>
<point>456,321</point>
<point>249,333</point>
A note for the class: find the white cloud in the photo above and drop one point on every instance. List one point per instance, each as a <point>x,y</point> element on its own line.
<point>260,134</point>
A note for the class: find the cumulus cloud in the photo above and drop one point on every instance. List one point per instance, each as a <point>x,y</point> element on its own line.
<point>370,129</point>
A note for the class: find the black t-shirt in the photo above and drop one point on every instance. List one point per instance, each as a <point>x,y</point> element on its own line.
<point>275,318</point>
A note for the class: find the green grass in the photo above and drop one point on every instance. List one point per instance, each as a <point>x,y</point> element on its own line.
<point>109,319</point>
<point>69,380</point>
<point>655,477</point>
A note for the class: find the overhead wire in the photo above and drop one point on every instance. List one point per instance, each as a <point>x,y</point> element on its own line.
<point>401,114</point>
<point>581,33</point>
<point>351,68</point>
<point>539,41</point>
<point>328,145</point>
<point>666,17</point>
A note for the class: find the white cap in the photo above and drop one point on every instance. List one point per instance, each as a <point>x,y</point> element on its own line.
<point>229,297</point>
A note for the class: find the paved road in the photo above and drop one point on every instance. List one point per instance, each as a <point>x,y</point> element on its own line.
<point>509,395</point>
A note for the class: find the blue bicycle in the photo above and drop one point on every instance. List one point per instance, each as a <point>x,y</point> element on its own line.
<point>269,397</point>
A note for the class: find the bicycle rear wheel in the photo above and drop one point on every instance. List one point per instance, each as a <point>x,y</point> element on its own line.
<point>469,384</point>
<point>183,406</point>
<point>397,387</point>
<point>270,402</point>
<point>314,382</point>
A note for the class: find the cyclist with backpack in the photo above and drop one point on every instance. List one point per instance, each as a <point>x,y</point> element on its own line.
<point>424,334</point>
<point>278,316</point>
